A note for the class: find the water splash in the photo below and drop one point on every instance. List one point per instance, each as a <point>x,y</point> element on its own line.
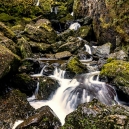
<point>83,88</point>
<point>37,4</point>
<point>88,49</point>
<point>75,26</point>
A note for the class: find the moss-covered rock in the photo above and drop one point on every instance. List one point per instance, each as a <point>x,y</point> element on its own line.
<point>44,118</point>
<point>74,65</point>
<point>5,17</point>
<point>14,106</point>
<point>24,48</point>
<point>94,115</point>
<point>42,33</point>
<point>40,47</point>
<point>25,83</point>
<point>8,61</point>
<point>8,43</point>
<point>6,31</point>
<point>72,45</point>
<point>85,32</point>
<point>47,87</point>
<point>110,18</point>
<point>117,71</point>
<point>29,66</point>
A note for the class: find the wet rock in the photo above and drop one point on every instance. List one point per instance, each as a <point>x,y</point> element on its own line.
<point>6,31</point>
<point>120,55</point>
<point>42,33</point>
<point>74,65</point>
<point>24,48</point>
<point>85,32</point>
<point>43,118</point>
<point>8,43</point>
<point>62,55</point>
<point>8,61</point>
<point>72,45</point>
<point>47,87</point>
<point>40,47</point>
<point>14,106</point>
<point>96,115</point>
<point>117,72</point>
<point>29,66</point>
<point>25,83</point>
<point>63,36</point>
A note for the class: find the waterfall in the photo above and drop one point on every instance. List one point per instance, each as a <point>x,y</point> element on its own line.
<point>37,4</point>
<point>72,92</point>
<point>54,9</point>
<point>41,73</point>
<point>75,26</point>
<point>17,123</point>
<point>88,49</point>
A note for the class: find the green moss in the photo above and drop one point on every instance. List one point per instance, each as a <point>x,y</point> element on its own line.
<point>5,17</point>
<point>76,66</point>
<point>118,71</point>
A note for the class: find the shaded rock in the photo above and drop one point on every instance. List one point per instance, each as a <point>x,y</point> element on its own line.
<point>85,32</point>
<point>72,45</point>
<point>25,83</point>
<point>6,31</point>
<point>109,18</point>
<point>65,34</point>
<point>8,61</point>
<point>61,55</point>
<point>117,72</point>
<point>94,115</point>
<point>14,106</point>
<point>47,87</point>
<point>74,65</point>
<point>40,47</point>
<point>24,48</point>
<point>43,118</point>
<point>56,45</point>
<point>40,33</point>
<point>120,55</point>
<point>8,43</point>
<point>29,66</point>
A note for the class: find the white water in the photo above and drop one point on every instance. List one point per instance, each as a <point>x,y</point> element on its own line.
<point>75,91</point>
<point>88,49</point>
<point>75,26</point>
<point>54,9</point>
<point>17,123</point>
<point>37,4</point>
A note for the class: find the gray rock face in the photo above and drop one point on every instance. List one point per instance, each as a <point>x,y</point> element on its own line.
<point>109,18</point>
<point>95,115</point>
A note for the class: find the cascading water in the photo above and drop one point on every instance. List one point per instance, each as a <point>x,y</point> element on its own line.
<point>75,26</point>
<point>37,4</point>
<point>72,92</point>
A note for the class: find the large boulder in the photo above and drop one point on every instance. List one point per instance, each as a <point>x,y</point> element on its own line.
<point>75,66</point>
<point>44,118</point>
<point>8,61</point>
<point>110,20</point>
<point>14,106</point>
<point>8,43</point>
<point>118,73</point>
<point>47,87</point>
<point>94,115</point>
<point>72,45</point>
<point>40,33</point>
<point>24,83</point>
